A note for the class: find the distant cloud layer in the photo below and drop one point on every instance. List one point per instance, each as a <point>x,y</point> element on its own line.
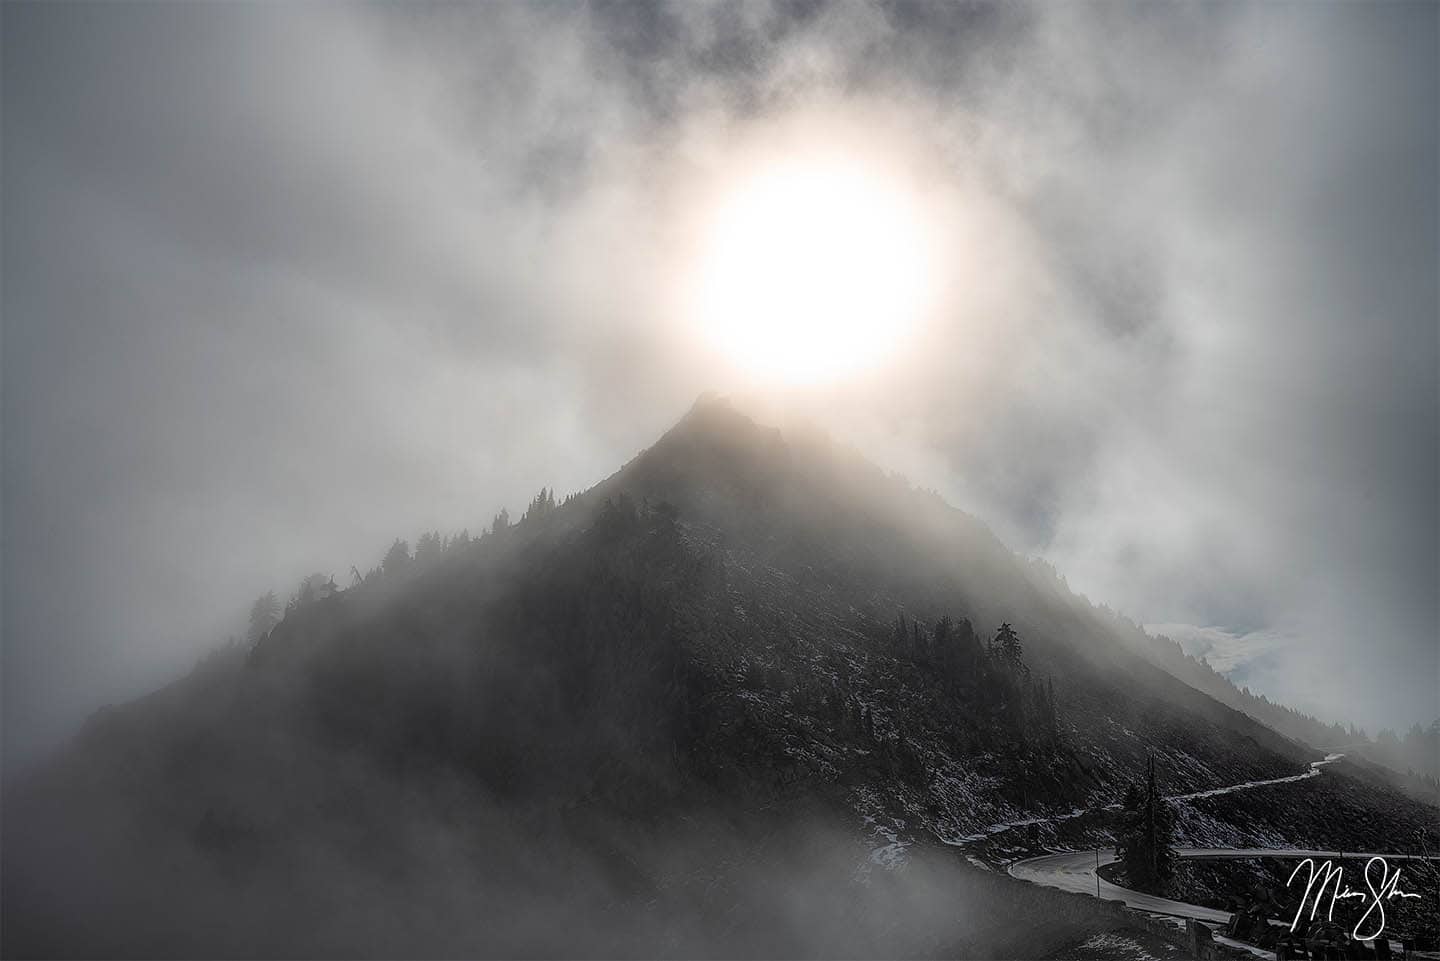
<point>283,283</point>
<point>1237,656</point>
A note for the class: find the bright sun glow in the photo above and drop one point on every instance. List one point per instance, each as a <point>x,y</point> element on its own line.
<point>813,271</point>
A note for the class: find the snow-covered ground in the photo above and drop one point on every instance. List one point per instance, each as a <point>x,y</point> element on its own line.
<point>1119,946</point>
<point>1314,771</point>
<point>1077,871</point>
<point>993,829</point>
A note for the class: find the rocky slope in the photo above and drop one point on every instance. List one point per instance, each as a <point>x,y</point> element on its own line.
<point>744,664</point>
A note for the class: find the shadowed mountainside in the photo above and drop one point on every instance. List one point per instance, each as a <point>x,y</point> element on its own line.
<point>732,700</point>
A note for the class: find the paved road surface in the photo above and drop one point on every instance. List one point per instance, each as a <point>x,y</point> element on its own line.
<point>1314,771</point>
<point>1075,871</point>
<point>993,829</point>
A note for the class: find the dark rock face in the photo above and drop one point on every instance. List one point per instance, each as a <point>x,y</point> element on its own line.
<point>641,710</point>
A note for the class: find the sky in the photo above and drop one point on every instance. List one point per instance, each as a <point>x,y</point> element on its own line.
<point>282,283</point>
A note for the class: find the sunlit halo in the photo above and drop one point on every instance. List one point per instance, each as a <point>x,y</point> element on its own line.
<point>812,271</point>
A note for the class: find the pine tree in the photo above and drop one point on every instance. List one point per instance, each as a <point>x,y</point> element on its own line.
<point>264,615</point>
<point>1007,646</point>
<point>1146,843</point>
<point>397,558</point>
<point>1052,718</point>
<point>969,655</point>
<point>540,505</point>
<point>429,548</point>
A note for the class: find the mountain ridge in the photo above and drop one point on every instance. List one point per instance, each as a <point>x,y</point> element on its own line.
<point>743,630</point>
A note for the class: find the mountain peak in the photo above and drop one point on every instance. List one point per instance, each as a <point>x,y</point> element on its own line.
<point>736,426</point>
<point>800,639</point>
<point>713,412</point>
<point>709,398</point>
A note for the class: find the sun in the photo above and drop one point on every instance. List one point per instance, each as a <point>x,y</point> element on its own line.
<point>811,271</point>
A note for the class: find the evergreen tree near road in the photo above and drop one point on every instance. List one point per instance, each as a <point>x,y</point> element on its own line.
<point>1145,846</point>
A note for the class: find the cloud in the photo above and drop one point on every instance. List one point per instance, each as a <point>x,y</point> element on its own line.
<point>285,283</point>
<point>1229,653</point>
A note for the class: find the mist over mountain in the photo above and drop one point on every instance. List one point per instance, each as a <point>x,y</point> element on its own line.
<point>286,282</point>
<point>748,696</point>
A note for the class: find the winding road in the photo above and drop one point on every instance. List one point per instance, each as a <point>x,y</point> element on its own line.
<point>1077,870</point>
<point>993,829</point>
